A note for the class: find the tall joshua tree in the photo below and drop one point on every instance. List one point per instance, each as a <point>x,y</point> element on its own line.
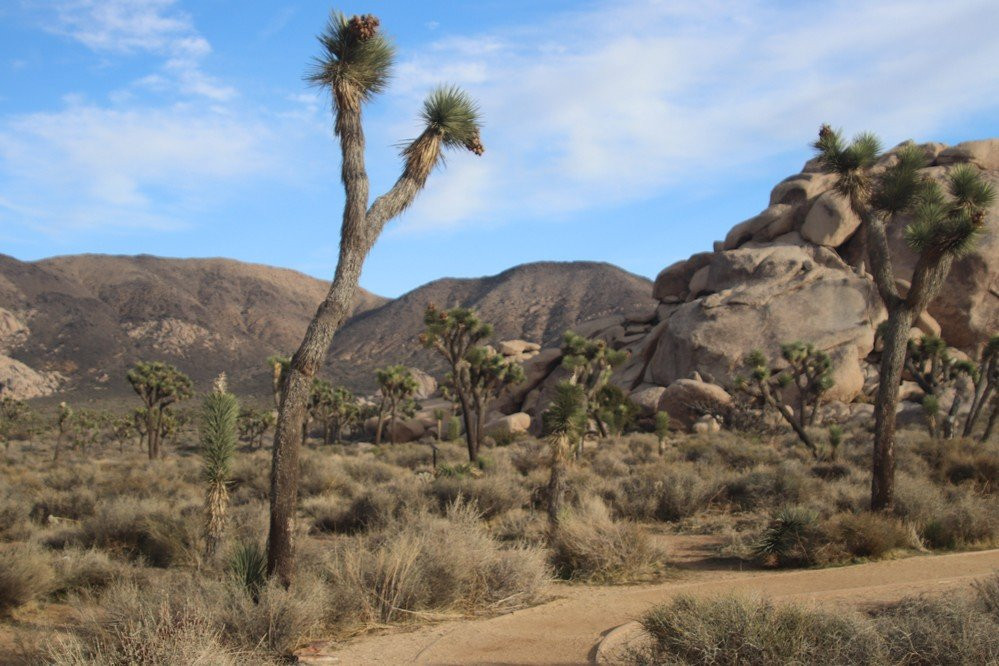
<point>565,422</point>
<point>218,444</point>
<point>453,333</point>
<point>397,384</point>
<point>354,66</point>
<point>942,228</point>
<point>159,385</point>
<point>591,363</point>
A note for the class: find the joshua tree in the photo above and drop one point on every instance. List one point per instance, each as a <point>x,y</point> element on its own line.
<point>253,424</point>
<point>159,385</point>
<point>120,430</point>
<point>334,407</point>
<point>453,334</point>
<point>488,374</point>
<point>397,385</point>
<point>13,413</point>
<point>662,430</point>
<point>986,383</point>
<point>565,423</point>
<point>808,371</point>
<point>219,412</point>
<point>591,363</point>
<point>614,409</point>
<point>942,228</point>
<point>354,67</point>
<point>63,422</point>
<point>278,365</point>
<point>931,365</point>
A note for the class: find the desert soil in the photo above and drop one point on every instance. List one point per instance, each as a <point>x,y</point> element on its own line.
<point>568,629</point>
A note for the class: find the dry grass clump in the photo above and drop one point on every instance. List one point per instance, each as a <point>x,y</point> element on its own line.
<point>666,492</point>
<point>430,565</point>
<point>736,630</point>
<point>372,509</point>
<point>870,534</point>
<point>85,572</point>
<point>25,575</point>
<point>748,631</point>
<point>14,524</point>
<point>964,520</point>
<point>149,530</point>
<point>183,620</point>
<point>492,494</point>
<point>589,545</point>
<point>765,486</point>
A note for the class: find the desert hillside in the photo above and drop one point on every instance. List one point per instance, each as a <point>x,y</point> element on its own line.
<point>74,323</point>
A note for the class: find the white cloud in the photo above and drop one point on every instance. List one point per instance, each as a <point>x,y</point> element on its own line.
<point>156,27</point>
<point>617,102</point>
<point>91,167</point>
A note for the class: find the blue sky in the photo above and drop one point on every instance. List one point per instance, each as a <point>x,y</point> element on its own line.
<point>633,132</point>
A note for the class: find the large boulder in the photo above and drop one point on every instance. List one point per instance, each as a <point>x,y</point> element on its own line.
<point>673,282</point>
<point>764,297</point>
<point>647,397</point>
<point>687,400</point>
<point>426,385</point>
<point>506,426</point>
<point>21,382</point>
<point>517,347</point>
<point>983,154</point>
<point>830,220</point>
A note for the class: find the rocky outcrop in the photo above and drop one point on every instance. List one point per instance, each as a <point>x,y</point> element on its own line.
<point>788,274</point>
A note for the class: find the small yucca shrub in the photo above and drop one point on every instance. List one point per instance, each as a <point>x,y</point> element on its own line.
<point>792,538</point>
<point>248,567</point>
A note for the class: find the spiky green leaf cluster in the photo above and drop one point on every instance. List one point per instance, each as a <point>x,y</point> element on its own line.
<point>952,226</point>
<point>453,115</point>
<point>396,381</point>
<point>352,63</point>
<point>159,383</point>
<point>218,430</point>
<point>448,326</point>
<point>850,162</point>
<point>566,415</point>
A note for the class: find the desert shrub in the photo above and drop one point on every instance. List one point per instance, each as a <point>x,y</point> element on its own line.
<point>325,475</point>
<point>869,534</point>
<point>273,619</point>
<point>930,632</point>
<point>661,492</point>
<point>25,575</point>
<point>14,525</point>
<point>745,631</point>
<point>965,519</point>
<point>369,472</point>
<point>831,471</point>
<point>767,486</point>
<point>519,526</point>
<point>726,449</point>
<point>589,545</point>
<point>988,595</point>
<point>529,455</point>
<point>142,626</point>
<point>85,571</point>
<point>149,530</point>
<point>75,504</point>
<point>492,494</point>
<point>249,479</point>
<point>916,500</point>
<point>429,564</point>
<point>373,508</point>
<point>792,538</point>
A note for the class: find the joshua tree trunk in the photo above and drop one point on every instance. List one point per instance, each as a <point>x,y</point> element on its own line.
<point>896,338</point>
<point>557,482</point>
<point>154,420</point>
<point>471,432</point>
<point>990,426</point>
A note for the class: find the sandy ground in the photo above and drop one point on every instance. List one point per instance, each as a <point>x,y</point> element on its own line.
<point>568,629</point>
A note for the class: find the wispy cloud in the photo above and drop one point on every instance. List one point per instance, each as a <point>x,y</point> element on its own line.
<point>91,167</point>
<point>156,27</point>
<point>620,101</point>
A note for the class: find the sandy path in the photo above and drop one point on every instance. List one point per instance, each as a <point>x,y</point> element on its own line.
<point>567,629</point>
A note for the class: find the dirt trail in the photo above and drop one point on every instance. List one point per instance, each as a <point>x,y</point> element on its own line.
<point>567,629</point>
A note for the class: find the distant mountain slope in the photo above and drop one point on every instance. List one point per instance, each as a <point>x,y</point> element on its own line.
<point>90,316</point>
<point>79,321</point>
<point>535,302</point>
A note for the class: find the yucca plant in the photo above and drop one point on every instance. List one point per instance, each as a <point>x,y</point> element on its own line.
<point>943,226</point>
<point>354,66</point>
<point>790,539</point>
<point>218,431</point>
<point>247,566</point>
<point>565,424</point>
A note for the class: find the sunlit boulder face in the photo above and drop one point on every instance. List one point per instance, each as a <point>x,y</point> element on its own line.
<point>795,272</point>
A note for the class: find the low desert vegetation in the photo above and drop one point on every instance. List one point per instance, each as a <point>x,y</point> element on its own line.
<point>387,539</point>
<point>962,629</point>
